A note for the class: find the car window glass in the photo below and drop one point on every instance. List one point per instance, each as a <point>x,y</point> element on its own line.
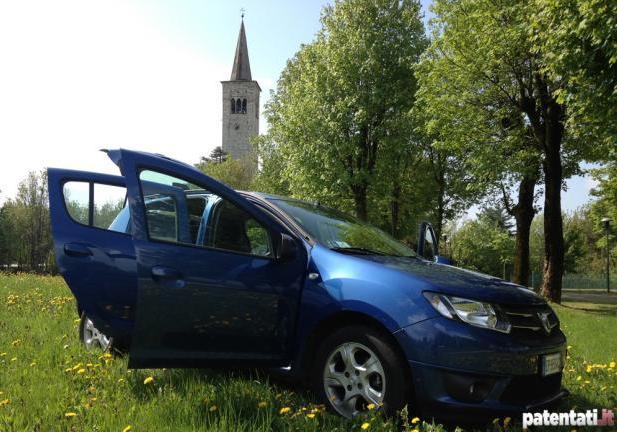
<point>179,211</point>
<point>108,205</point>
<point>76,198</point>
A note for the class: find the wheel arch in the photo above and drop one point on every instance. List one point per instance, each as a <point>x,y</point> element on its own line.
<point>342,319</point>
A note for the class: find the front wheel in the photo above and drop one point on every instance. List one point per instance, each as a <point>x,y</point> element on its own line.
<point>92,337</point>
<point>356,370</point>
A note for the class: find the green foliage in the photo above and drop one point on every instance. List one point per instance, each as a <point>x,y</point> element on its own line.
<point>484,244</point>
<point>605,206</point>
<point>340,129</point>
<point>577,41</point>
<point>24,220</point>
<point>237,174</point>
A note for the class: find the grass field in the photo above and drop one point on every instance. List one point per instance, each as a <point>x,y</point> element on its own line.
<point>48,382</point>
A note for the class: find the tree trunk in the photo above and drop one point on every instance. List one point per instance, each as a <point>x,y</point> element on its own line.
<point>553,223</point>
<point>359,196</point>
<point>395,206</point>
<point>523,213</point>
<point>441,197</point>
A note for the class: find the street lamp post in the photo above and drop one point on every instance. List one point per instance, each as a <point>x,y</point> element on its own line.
<point>607,222</point>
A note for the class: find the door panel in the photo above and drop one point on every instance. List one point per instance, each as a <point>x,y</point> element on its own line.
<point>218,294</point>
<point>97,262</point>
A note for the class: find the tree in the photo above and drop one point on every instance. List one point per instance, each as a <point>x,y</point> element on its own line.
<point>29,216</point>
<point>483,245</point>
<point>577,41</point>
<point>342,103</point>
<point>605,206</point>
<point>217,155</point>
<point>495,82</point>
<point>237,174</point>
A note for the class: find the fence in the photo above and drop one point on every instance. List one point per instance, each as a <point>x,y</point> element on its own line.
<point>579,281</point>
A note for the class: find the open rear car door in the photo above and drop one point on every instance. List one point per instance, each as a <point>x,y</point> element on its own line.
<point>93,246</point>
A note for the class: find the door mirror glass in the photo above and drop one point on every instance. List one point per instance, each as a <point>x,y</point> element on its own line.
<point>287,248</point>
<point>427,242</point>
<point>178,211</point>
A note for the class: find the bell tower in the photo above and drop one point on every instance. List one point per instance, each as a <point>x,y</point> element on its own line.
<point>240,103</point>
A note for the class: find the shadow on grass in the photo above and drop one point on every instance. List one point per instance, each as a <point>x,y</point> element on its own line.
<point>599,309</point>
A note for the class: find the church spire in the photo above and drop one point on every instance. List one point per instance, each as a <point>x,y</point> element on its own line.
<point>242,68</point>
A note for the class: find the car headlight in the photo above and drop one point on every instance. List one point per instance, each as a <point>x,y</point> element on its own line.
<point>472,312</point>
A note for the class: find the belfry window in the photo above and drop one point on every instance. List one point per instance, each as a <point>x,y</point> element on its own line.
<point>243,106</point>
<point>238,106</point>
<point>233,106</point>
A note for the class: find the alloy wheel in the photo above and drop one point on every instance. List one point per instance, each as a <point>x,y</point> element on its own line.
<point>353,379</point>
<point>93,338</point>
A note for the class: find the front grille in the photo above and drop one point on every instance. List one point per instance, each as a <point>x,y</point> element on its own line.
<point>531,319</point>
<point>525,390</point>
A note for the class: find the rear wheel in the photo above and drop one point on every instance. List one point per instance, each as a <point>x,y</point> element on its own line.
<point>356,370</point>
<point>92,337</point>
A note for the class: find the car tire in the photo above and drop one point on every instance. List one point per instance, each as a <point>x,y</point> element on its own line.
<point>93,338</point>
<point>356,369</point>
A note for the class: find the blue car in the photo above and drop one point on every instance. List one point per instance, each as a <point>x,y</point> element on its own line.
<point>182,271</point>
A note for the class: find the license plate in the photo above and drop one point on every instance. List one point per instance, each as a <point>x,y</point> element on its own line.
<point>551,364</point>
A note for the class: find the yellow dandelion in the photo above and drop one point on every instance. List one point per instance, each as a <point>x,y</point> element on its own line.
<point>120,380</point>
<point>14,359</point>
<point>149,380</point>
<point>311,416</point>
<point>414,430</point>
<point>70,415</point>
<point>365,426</point>
<point>612,364</point>
<point>569,347</point>
<point>285,410</point>
<point>506,422</point>
<point>5,402</point>
<point>589,369</point>
<point>213,408</point>
<point>81,371</point>
<point>127,429</point>
<point>370,406</point>
<point>262,404</point>
<point>578,378</point>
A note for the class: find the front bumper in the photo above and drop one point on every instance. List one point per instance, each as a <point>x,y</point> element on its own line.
<point>464,371</point>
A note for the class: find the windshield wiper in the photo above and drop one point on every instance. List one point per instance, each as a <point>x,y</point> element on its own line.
<point>357,250</point>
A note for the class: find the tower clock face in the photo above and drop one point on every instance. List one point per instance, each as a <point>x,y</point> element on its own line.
<point>236,126</point>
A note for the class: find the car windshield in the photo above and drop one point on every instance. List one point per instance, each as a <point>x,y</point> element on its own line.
<point>341,232</point>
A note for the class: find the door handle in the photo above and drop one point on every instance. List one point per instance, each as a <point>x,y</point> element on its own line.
<point>162,272</point>
<point>77,250</point>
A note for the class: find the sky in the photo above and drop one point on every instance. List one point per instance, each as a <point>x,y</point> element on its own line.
<point>77,76</point>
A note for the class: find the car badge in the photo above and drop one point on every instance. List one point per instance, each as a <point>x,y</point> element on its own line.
<point>545,321</point>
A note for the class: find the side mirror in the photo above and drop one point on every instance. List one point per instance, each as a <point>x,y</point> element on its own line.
<point>287,248</point>
<point>428,247</point>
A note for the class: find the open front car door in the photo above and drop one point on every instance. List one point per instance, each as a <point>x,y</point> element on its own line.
<point>210,286</point>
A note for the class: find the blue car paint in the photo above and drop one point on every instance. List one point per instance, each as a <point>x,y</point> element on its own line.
<point>384,290</point>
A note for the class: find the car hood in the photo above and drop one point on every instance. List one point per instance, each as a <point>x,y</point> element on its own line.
<point>459,282</point>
